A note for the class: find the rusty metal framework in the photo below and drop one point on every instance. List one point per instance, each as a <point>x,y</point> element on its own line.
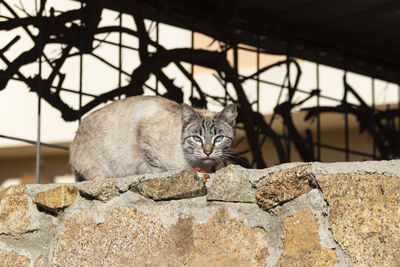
<point>78,31</point>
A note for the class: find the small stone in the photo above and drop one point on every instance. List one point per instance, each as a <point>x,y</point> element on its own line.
<point>103,190</point>
<point>281,187</point>
<point>301,242</point>
<point>185,184</point>
<point>231,184</point>
<point>205,177</point>
<point>56,198</point>
<point>18,213</point>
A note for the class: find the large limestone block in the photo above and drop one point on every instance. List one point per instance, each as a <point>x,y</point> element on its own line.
<point>283,186</point>
<point>18,213</point>
<point>129,237</point>
<point>301,242</point>
<point>365,216</point>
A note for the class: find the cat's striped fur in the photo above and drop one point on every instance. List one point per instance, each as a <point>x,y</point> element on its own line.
<point>145,134</point>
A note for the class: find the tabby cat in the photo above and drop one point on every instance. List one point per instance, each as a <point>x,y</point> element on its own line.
<point>150,134</point>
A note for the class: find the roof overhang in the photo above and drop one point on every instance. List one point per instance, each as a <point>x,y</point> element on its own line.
<point>358,36</point>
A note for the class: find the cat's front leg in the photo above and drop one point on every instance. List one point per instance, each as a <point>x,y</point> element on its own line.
<point>90,173</point>
<point>152,161</point>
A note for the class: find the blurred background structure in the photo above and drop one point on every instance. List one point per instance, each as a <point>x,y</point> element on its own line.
<point>314,80</point>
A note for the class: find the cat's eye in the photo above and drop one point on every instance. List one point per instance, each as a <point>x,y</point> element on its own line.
<point>219,138</point>
<point>196,138</point>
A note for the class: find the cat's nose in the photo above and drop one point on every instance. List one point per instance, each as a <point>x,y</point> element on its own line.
<point>207,149</point>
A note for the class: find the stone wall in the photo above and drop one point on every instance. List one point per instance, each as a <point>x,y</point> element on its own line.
<point>296,214</point>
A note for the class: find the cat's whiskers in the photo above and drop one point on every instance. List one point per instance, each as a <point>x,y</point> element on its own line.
<point>221,161</point>
<point>192,159</point>
<point>230,155</point>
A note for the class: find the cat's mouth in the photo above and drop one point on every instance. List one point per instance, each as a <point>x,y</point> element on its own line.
<point>208,160</point>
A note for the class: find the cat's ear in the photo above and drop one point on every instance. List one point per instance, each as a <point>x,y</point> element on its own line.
<point>229,114</point>
<point>188,114</point>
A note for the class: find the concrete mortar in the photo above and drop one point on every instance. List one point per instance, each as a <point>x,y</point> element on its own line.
<point>389,168</point>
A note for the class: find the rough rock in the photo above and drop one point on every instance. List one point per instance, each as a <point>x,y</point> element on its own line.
<point>365,216</point>
<point>301,242</point>
<point>129,237</point>
<point>280,187</point>
<point>185,184</point>
<point>256,175</point>
<point>57,198</point>
<point>18,213</point>
<point>38,263</point>
<point>231,184</point>
<point>323,218</point>
<point>103,190</point>
<point>12,258</point>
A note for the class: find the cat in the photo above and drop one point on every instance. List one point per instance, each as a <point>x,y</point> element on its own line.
<point>150,134</point>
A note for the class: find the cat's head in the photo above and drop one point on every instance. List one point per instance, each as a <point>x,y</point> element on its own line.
<point>207,139</point>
